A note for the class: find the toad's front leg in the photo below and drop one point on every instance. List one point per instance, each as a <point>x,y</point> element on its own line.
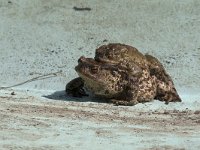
<point>129,96</point>
<point>75,88</point>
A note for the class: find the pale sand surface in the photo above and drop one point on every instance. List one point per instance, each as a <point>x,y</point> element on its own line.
<point>41,37</point>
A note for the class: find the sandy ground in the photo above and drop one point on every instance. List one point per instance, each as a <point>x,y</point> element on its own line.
<point>42,37</point>
<point>30,122</point>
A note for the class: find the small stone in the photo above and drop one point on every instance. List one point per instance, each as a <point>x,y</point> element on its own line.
<point>13,93</point>
<point>105,40</point>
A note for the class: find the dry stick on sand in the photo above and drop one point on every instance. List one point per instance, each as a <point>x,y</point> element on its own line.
<point>45,76</point>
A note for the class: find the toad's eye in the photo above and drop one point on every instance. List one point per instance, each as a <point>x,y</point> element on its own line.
<point>94,69</point>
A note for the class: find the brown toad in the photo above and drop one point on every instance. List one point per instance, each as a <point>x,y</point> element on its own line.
<point>122,73</point>
<point>125,55</point>
<point>113,82</point>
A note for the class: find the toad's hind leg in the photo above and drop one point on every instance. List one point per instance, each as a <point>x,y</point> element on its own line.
<point>75,88</point>
<point>157,69</point>
<point>167,93</point>
<point>165,90</point>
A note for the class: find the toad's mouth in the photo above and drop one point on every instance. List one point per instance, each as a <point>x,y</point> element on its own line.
<point>88,76</point>
<point>89,79</point>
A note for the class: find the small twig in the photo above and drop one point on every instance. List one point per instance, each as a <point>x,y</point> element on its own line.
<point>9,97</point>
<point>3,97</point>
<point>42,77</point>
<point>82,8</point>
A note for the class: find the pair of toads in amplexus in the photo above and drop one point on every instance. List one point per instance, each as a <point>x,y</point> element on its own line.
<point>122,75</point>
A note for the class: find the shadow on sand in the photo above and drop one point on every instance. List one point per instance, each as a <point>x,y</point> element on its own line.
<point>61,95</point>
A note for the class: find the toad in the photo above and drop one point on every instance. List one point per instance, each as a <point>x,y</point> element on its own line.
<point>113,82</point>
<point>123,75</point>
